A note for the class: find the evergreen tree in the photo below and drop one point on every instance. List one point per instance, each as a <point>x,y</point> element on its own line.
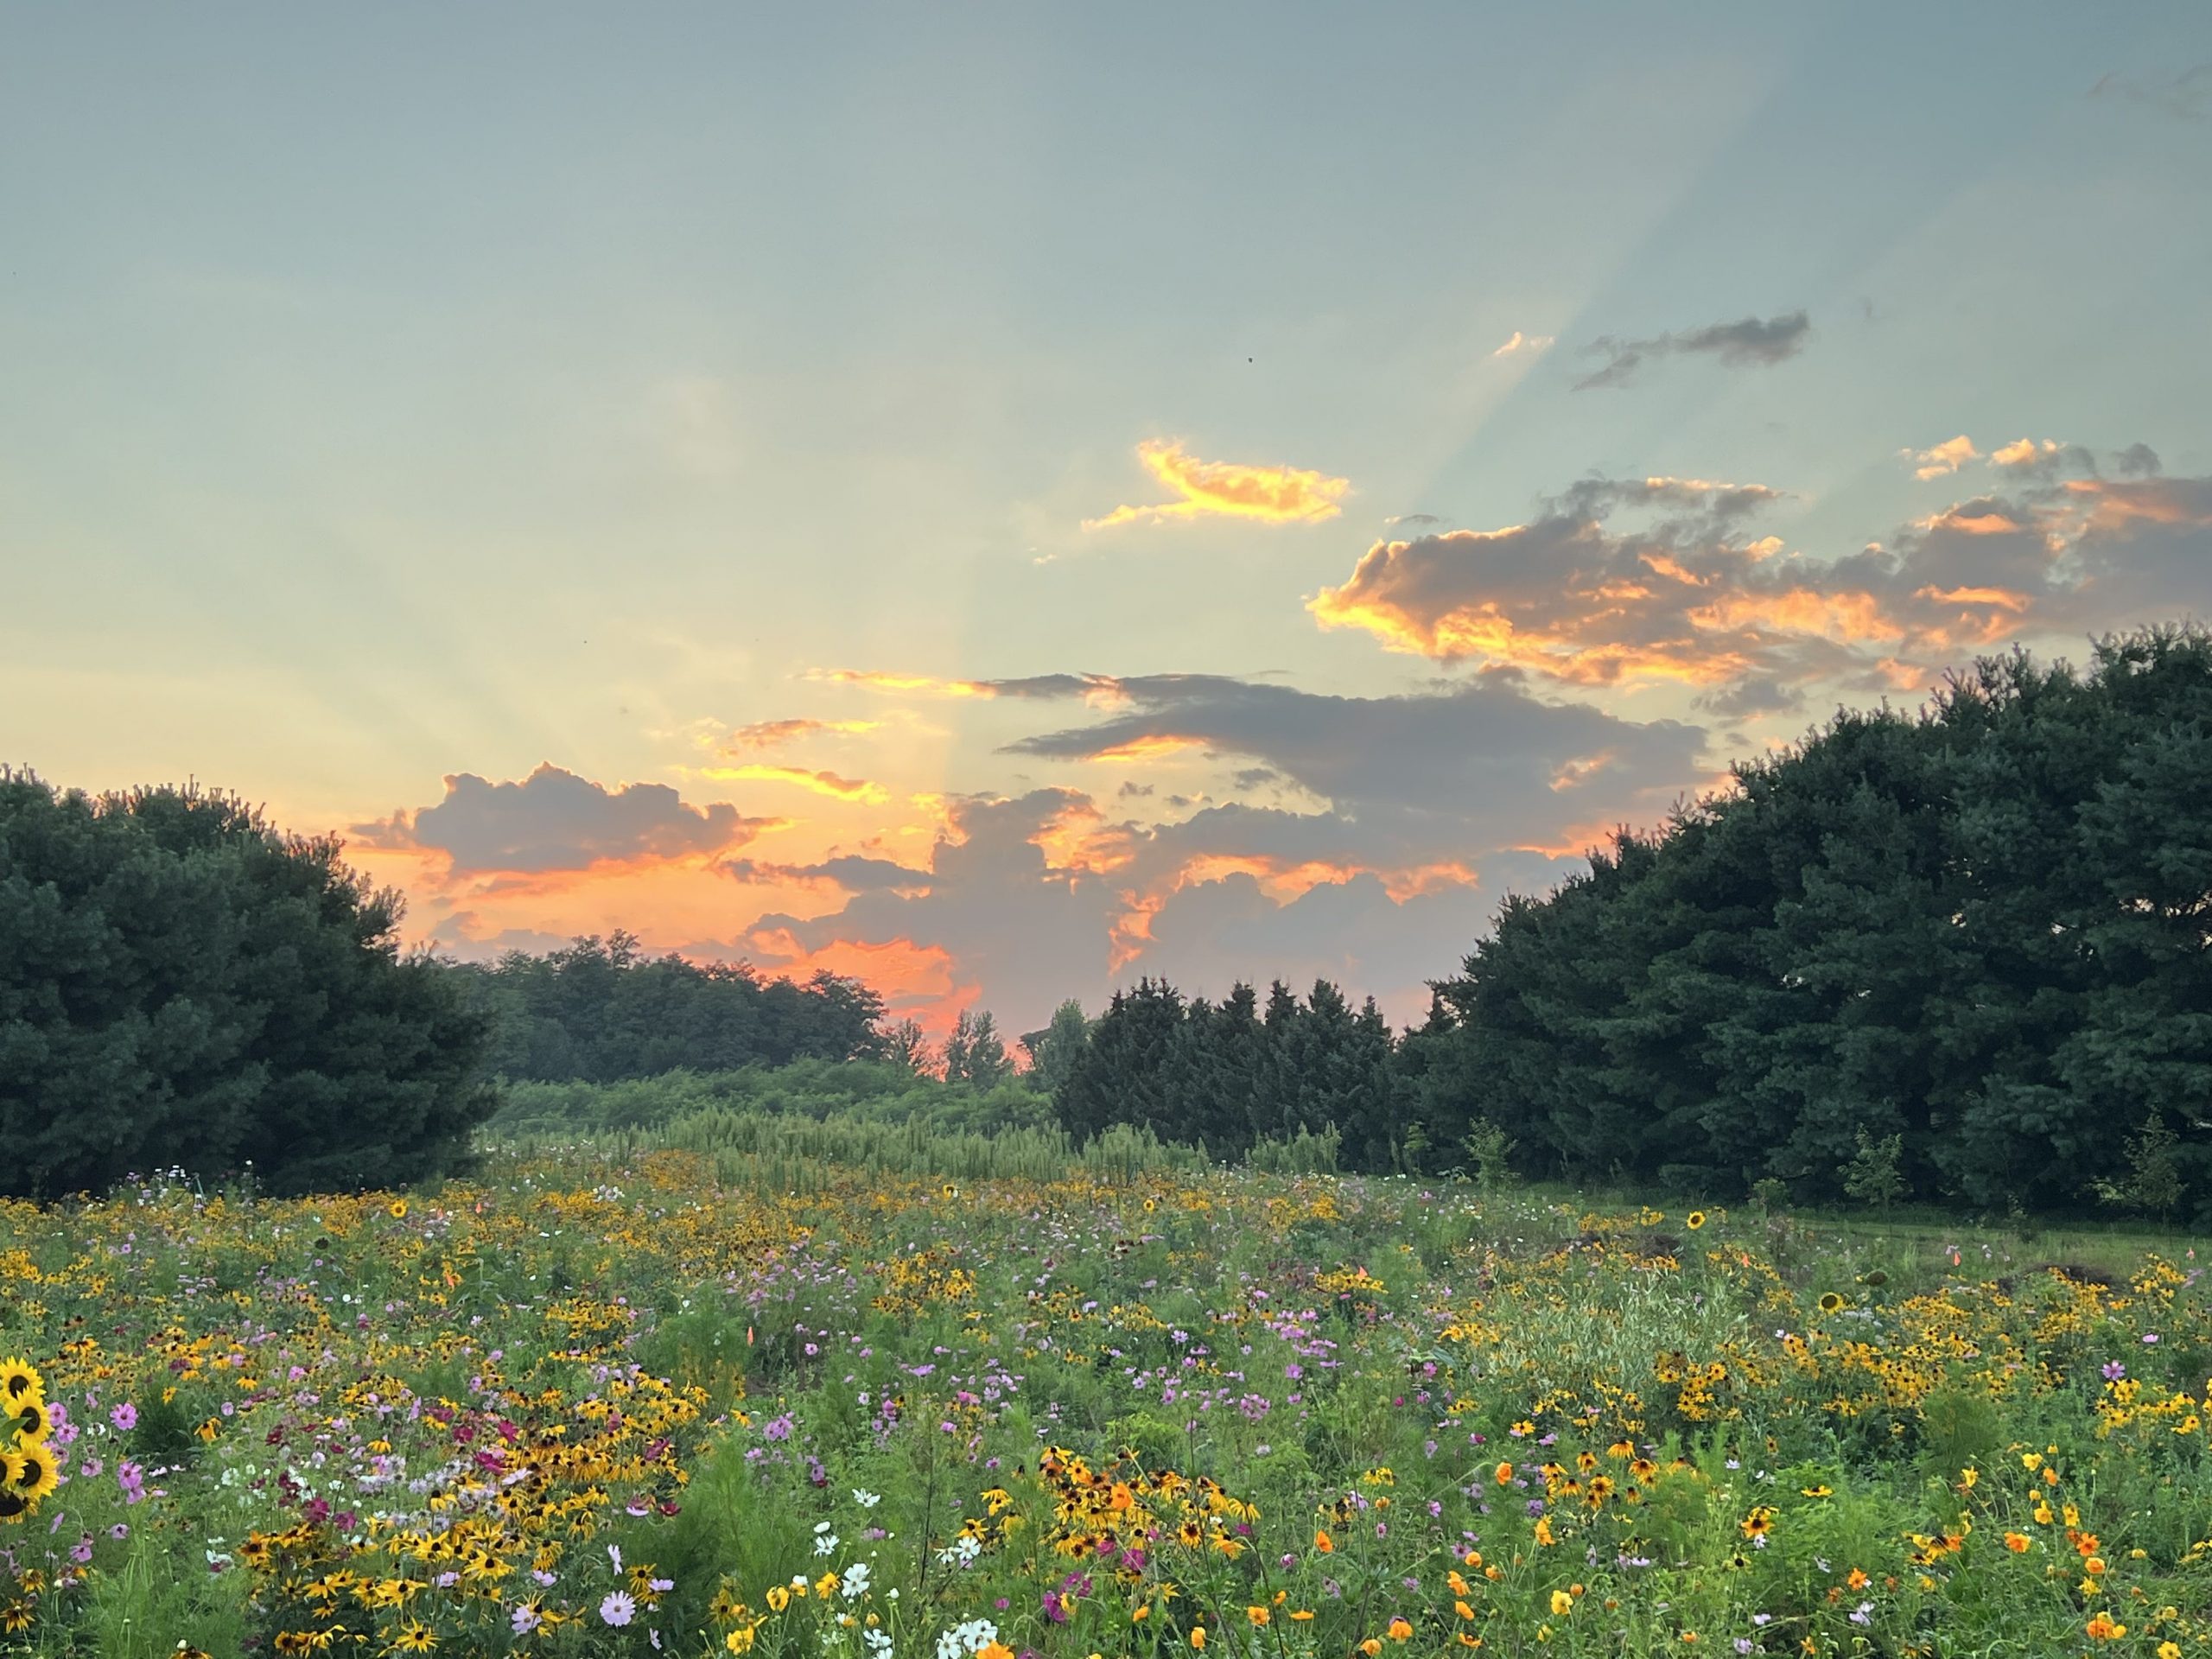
<point>180,983</point>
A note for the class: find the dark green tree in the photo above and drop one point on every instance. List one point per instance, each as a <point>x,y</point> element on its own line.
<point>182,983</point>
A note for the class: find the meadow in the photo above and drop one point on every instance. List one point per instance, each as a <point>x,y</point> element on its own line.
<point>725,1398</point>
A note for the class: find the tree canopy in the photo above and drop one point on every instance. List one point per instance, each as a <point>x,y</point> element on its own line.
<point>180,981</point>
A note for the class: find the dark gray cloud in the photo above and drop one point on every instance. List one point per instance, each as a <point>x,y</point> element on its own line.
<point>1748,341</point>
<point>554,820</point>
<point>855,872</point>
<point>2138,460</point>
<point>1489,763</point>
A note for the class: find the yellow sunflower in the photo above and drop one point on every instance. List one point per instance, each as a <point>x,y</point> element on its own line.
<point>1831,1303</point>
<point>20,1382</point>
<point>1694,1220</point>
<point>398,1210</point>
<point>36,1471</point>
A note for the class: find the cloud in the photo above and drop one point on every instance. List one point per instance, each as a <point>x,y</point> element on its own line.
<point>554,820</point>
<point>1745,342</point>
<point>1273,495</point>
<point>1370,871</point>
<point>772,734</point>
<point>1659,579</point>
<point>2187,96</point>
<point>853,872</point>
<point>1946,457</point>
<point>1414,518</point>
<point>821,783</point>
<point>1532,345</point>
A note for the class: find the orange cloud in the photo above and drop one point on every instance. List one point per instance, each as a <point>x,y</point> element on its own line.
<point>767,734</point>
<point>1535,344</point>
<point>822,783</point>
<point>1845,616</point>
<point>1273,495</point>
<point>916,981</point>
<point>2024,452</point>
<point>1151,747</point>
<point>1946,457</point>
<point>922,682</point>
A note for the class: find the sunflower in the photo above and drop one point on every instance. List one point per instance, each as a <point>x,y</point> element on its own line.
<point>398,1210</point>
<point>26,1422</point>
<point>1831,1302</point>
<point>1694,1220</point>
<point>36,1473</point>
<point>19,1382</point>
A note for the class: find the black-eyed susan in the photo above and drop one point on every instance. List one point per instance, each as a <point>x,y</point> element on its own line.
<point>413,1637</point>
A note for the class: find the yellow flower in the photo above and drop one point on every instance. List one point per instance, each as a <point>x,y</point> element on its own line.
<point>1831,1302</point>
<point>1694,1220</point>
<point>398,1210</point>
<point>2101,1629</point>
<point>1198,1638</point>
<point>20,1385</point>
<point>1142,1614</point>
<point>1562,1604</point>
<point>779,1597</point>
<point>1258,1615</point>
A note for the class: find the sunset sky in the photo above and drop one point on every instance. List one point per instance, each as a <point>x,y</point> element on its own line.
<point>999,499</point>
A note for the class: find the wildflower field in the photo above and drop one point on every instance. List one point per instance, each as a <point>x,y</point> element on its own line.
<point>670,1403</point>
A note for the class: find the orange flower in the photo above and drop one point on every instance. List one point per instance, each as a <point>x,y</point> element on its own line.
<point>1400,1630</point>
<point>2017,1542</point>
<point>1323,1542</point>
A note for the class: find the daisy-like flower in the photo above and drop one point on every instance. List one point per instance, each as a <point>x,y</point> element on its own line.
<point>618,1609</point>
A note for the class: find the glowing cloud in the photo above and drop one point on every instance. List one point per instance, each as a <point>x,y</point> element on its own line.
<point>1532,345</point>
<point>822,783</point>
<point>1272,495</point>
<point>2024,452</point>
<point>1946,457</point>
<point>769,733</point>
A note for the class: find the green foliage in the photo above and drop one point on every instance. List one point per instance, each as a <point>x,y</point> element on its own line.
<point>602,1010</point>
<point>2154,1183</point>
<point>1489,1149</point>
<point>1985,930</point>
<point>1231,1077</point>
<point>864,1092</point>
<point>182,983</point>
<point>1875,1174</point>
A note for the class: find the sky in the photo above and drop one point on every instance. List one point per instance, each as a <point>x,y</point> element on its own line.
<point>1002,499</point>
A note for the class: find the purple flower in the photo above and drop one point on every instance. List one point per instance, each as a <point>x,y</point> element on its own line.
<point>525,1619</point>
<point>618,1609</point>
<point>2113,1370</point>
<point>125,1417</point>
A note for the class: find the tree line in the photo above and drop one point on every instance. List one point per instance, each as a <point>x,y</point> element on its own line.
<point>1961,955</point>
